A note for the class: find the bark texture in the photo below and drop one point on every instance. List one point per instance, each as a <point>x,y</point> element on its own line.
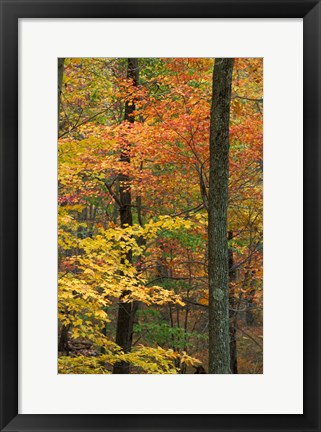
<point>233,309</point>
<point>63,337</point>
<point>60,79</point>
<point>126,311</point>
<point>219,343</point>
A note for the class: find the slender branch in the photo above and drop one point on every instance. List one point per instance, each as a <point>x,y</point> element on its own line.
<point>247,98</point>
<point>250,337</point>
<point>83,122</point>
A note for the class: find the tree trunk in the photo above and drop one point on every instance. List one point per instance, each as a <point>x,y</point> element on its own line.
<point>233,309</point>
<point>60,79</point>
<point>63,338</point>
<point>126,311</point>
<point>63,345</point>
<point>219,344</point>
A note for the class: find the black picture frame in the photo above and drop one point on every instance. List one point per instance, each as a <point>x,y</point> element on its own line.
<point>11,11</point>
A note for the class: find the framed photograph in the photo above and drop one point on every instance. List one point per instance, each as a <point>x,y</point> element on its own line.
<point>160,215</point>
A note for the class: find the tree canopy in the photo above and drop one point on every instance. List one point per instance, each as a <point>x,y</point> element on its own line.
<point>133,215</point>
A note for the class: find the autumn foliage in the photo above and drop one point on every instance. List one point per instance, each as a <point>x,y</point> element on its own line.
<point>158,263</point>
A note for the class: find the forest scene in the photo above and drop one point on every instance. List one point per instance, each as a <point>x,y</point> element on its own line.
<point>160,215</point>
